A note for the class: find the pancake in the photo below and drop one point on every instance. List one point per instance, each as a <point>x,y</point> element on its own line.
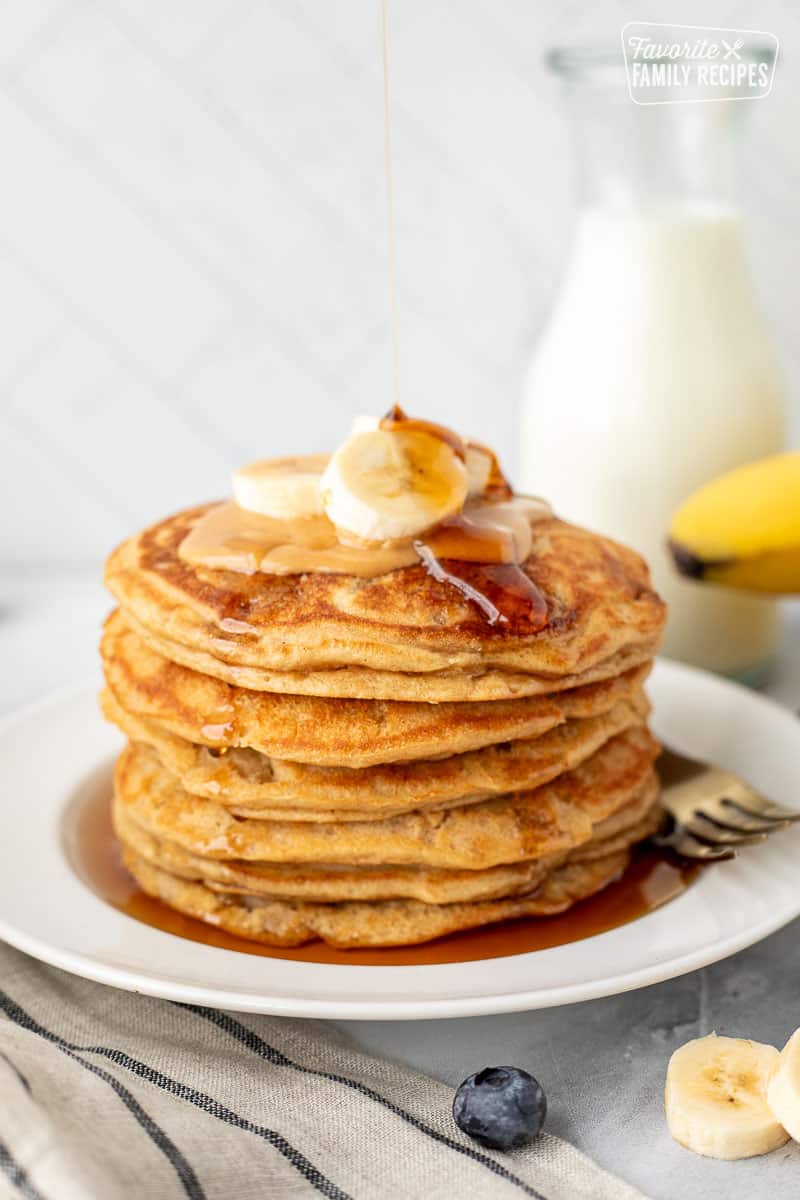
<point>252,784</point>
<point>328,732</point>
<point>401,635</point>
<point>549,820</point>
<point>327,883</point>
<point>381,760</point>
<point>362,683</point>
<point>357,923</point>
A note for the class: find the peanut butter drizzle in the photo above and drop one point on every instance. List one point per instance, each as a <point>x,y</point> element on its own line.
<point>477,551</point>
<point>229,538</point>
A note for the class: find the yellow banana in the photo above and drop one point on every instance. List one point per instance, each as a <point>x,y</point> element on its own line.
<point>742,530</point>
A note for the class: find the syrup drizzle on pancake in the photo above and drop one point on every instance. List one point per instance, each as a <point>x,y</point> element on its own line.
<point>474,552</point>
<point>502,591</point>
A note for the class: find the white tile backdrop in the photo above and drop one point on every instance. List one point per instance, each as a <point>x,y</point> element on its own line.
<point>192,248</point>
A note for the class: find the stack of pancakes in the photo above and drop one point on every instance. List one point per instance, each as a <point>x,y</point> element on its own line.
<point>367,760</point>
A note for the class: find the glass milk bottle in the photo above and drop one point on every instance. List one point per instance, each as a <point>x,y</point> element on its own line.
<point>655,372</point>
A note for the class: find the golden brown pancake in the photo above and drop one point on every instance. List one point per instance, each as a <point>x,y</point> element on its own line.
<point>370,760</point>
<point>364,683</point>
<point>549,820</point>
<point>252,784</point>
<point>357,923</point>
<point>329,732</point>
<point>326,883</point>
<point>401,635</point>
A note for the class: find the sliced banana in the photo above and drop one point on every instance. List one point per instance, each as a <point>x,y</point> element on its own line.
<point>783,1093</point>
<point>716,1097</point>
<point>479,463</point>
<point>285,488</point>
<point>364,423</point>
<point>387,484</point>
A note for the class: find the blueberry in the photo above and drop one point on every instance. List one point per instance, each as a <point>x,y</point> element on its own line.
<point>500,1107</point>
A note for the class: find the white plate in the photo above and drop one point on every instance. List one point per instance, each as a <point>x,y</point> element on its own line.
<point>57,751</point>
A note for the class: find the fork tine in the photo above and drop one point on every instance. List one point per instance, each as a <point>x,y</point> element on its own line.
<point>715,833</point>
<point>758,806</point>
<point>734,821</point>
<point>687,846</point>
<point>739,817</point>
<point>691,847</point>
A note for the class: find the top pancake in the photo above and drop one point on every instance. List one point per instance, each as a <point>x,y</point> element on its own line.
<point>401,635</point>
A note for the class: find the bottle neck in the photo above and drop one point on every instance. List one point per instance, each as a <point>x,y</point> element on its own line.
<point>635,159</point>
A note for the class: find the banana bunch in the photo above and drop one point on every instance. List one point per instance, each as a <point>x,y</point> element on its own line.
<point>732,1098</point>
<point>742,530</point>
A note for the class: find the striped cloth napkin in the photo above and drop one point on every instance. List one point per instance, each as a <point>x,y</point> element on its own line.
<point>106,1095</point>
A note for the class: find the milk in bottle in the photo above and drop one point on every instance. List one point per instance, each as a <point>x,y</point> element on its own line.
<point>655,371</point>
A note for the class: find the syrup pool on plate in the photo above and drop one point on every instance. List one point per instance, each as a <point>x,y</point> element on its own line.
<point>653,879</point>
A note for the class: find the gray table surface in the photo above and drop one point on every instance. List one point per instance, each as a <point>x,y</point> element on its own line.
<point>601,1063</point>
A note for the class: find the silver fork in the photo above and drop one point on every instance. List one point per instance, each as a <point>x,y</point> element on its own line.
<point>711,812</point>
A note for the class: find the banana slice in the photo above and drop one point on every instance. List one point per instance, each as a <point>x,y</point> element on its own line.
<point>285,488</point>
<point>479,462</point>
<point>716,1097</point>
<point>365,423</point>
<point>386,484</point>
<point>783,1093</point>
